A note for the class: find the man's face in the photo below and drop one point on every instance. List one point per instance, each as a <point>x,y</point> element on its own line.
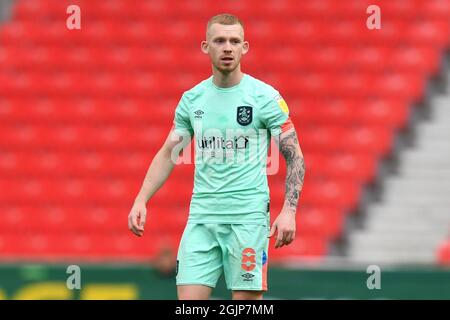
<point>225,46</point>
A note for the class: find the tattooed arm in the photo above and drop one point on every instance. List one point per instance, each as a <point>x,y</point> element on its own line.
<point>295,171</point>
<point>295,166</point>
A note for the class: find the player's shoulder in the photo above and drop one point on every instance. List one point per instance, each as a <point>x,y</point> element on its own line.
<point>261,90</point>
<point>196,91</point>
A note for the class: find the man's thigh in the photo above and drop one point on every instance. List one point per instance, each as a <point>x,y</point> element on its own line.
<point>199,259</point>
<point>245,257</point>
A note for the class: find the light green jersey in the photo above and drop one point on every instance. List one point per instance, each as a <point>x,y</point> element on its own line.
<point>232,129</point>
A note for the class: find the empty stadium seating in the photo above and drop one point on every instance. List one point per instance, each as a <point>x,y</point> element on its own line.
<point>83,112</point>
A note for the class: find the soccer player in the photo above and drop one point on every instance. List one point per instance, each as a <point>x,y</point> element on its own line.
<point>232,116</point>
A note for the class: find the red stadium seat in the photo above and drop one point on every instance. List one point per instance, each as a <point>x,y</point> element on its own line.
<point>351,112</point>
<point>302,248</point>
<point>326,222</point>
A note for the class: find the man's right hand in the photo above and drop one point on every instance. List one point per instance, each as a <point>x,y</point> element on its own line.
<point>136,218</point>
<point>157,173</point>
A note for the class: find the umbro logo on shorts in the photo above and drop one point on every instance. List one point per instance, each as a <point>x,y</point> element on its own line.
<point>247,276</point>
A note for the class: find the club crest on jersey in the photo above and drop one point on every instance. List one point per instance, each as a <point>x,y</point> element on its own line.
<point>244,115</point>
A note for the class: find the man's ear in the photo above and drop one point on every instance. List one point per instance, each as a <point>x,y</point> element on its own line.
<point>204,47</point>
<point>245,47</point>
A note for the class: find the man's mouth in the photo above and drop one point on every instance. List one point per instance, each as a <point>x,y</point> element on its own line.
<point>227,59</point>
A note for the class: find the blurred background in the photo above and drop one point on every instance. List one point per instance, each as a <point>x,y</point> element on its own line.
<point>83,112</point>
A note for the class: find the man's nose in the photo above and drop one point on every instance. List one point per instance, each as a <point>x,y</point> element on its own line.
<point>227,47</point>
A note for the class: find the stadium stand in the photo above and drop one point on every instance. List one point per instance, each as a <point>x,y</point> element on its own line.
<point>82,113</point>
<point>417,194</point>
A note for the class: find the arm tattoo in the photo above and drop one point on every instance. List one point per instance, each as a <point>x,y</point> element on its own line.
<point>295,165</point>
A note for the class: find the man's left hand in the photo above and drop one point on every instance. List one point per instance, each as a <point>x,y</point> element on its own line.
<point>285,224</point>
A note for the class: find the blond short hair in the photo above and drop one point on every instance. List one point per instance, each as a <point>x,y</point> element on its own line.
<point>224,18</point>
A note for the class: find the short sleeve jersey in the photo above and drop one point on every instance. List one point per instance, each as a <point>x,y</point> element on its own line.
<point>231,129</point>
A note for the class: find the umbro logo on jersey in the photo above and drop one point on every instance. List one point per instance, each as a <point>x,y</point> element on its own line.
<point>198,114</point>
<point>244,115</point>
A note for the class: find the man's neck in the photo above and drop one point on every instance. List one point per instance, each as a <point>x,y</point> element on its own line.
<point>227,80</point>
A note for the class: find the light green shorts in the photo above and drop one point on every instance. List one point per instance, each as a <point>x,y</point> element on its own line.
<point>239,250</point>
